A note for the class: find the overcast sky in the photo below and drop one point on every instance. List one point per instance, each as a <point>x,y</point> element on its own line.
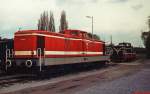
<point>123,19</point>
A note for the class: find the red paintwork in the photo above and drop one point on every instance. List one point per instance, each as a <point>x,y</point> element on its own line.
<point>129,56</point>
<point>76,43</point>
<point>25,43</point>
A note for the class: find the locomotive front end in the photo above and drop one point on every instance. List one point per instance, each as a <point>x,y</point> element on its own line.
<point>26,51</point>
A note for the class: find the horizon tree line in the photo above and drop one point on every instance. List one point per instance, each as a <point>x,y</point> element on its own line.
<point>46,22</point>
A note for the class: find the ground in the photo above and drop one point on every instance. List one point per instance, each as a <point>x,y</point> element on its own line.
<point>122,78</point>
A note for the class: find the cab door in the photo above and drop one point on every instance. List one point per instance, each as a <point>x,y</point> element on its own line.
<point>40,45</point>
<point>84,44</point>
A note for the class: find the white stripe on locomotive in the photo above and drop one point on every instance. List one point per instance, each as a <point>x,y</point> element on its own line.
<point>56,52</point>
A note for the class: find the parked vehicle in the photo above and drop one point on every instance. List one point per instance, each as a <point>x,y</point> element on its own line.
<point>6,51</point>
<point>122,52</point>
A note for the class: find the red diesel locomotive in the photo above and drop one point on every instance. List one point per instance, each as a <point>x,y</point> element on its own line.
<point>43,48</point>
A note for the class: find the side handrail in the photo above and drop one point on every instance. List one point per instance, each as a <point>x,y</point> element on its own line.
<point>8,53</point>
<point>39,55</point>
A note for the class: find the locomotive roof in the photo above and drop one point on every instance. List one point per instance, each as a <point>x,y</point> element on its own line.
<point>51,33</point>
<point>44,31</point>
<point>47,32</point>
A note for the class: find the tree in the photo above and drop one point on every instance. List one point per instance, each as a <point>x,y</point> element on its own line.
<point>51,22</point>
<point>39,24</point>
<point>43,21</point>
<point>147,44</point>
<point>63,22</point>
<point>149,22</point>
<point>96,37</point>
<point>46,23</point>
<point>146,39</point>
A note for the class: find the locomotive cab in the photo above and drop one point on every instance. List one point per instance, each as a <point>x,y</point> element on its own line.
<point>28,48</point>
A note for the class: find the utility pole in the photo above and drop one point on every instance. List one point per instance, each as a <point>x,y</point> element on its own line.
<point>149,22</point>
<point>111,39</point>
<point>91,17</point>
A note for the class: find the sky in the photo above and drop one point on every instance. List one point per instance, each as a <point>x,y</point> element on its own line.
<point>122,19</point>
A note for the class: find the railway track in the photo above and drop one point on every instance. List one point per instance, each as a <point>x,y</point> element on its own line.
<point>10,80</point>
